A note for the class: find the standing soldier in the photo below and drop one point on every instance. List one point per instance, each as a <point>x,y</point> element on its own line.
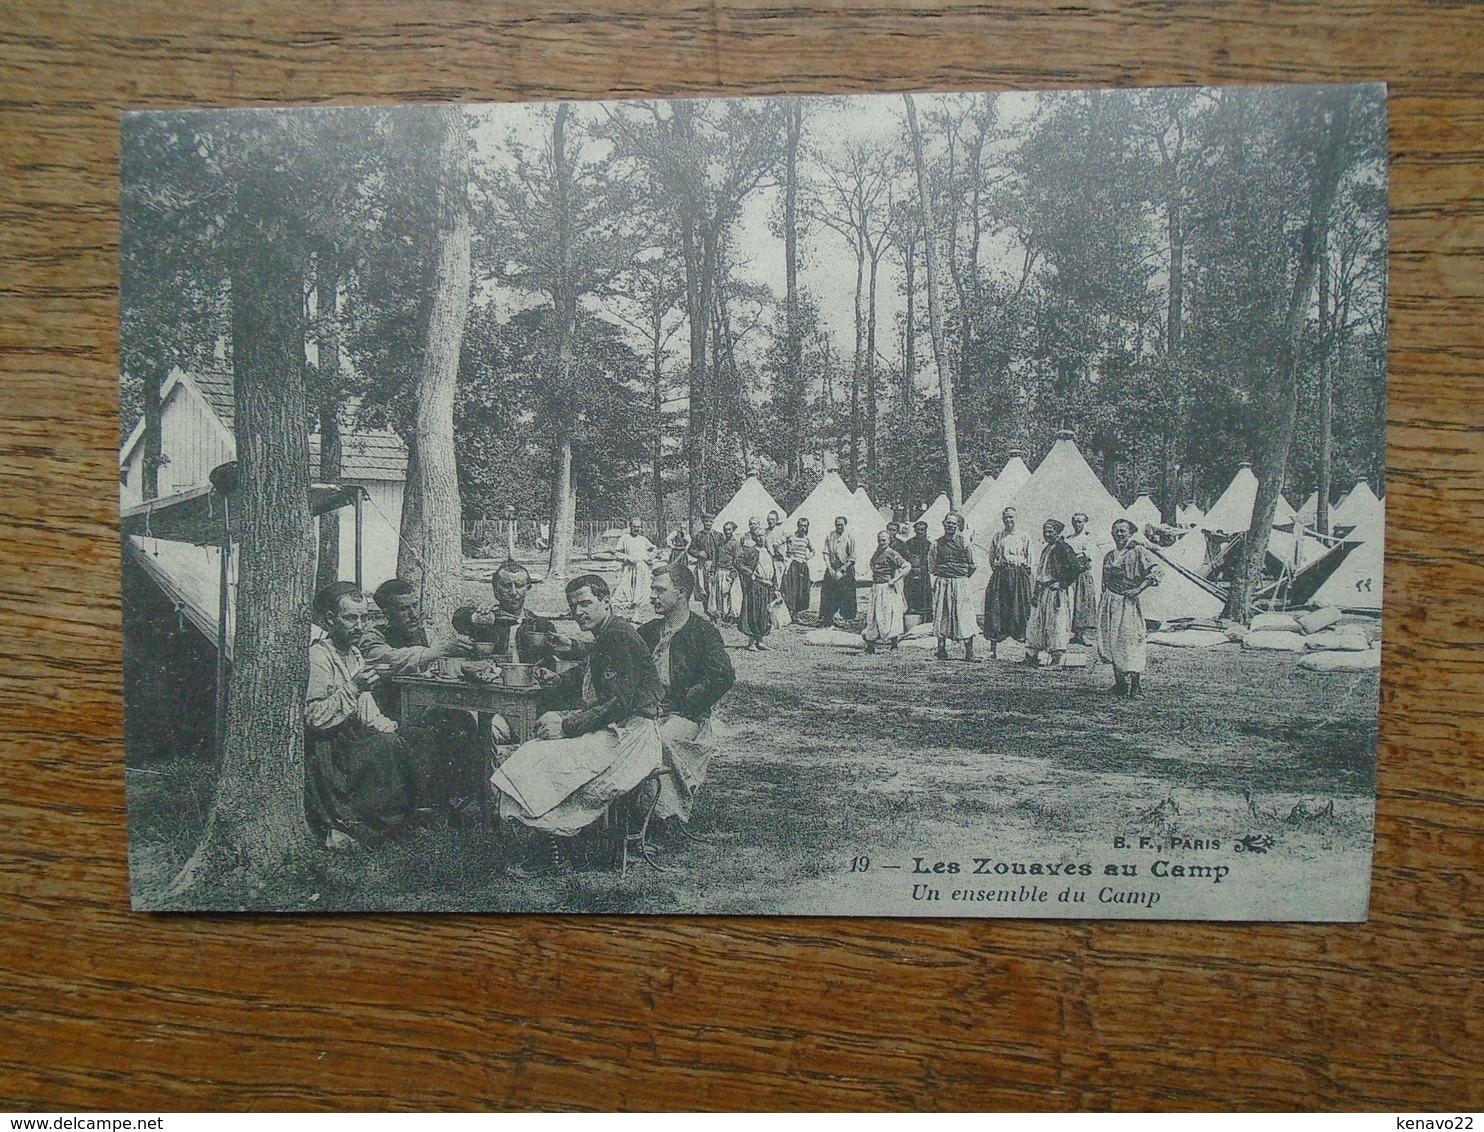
<point>703,545</point>
<point>797,584</point>
<point>918,592</point>
<point>726,573</point>
<point>1085,588</point>
<point>951,564</point>
<point>837,589</point>
<point>1007,598</point>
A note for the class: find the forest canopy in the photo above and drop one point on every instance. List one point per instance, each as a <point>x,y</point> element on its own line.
<point>741,285</point>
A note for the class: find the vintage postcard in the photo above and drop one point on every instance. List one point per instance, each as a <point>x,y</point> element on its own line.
<point>913,505</point>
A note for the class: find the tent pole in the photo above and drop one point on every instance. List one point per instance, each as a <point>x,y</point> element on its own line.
<point>223,667</point>
<point>358,537</point>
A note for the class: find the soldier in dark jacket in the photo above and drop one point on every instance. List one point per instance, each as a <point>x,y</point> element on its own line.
<point>510,628</point>
<point>727,546</point>
<point>695,672</point>
<point>703,546</point>
<point>598,742</point>
<point>919,588</point>
<point>1050,627</point>
<point>446,741</point>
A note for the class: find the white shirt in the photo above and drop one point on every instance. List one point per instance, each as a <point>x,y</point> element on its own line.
<point>333,696</point>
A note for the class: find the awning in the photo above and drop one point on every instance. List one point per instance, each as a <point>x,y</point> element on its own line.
<point>195,516</point>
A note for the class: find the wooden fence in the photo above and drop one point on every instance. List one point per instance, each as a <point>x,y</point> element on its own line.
<point>490,538</point>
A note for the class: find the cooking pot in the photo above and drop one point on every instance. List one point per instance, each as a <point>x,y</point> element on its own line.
<point>519,675</point>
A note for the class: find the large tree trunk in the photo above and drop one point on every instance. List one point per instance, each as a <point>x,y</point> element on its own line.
<point>703,397</point>
<point>852,476</point>
<point>794,128</point>
<point>871,376</point>
<point>698,322</point>
<point>438,559</point>
<point>563,509</point>
<point>736,394</point>
<point>326,309</point>
<point>696,252</point>
<point>657,406</point>
<point>256,828</point>
<point>564,301</point>
<point>1178,424</point>
<point>411,536</point>
<point>1276,438</point>
<point>909,351</point>
<point>1326,400</point>
<point>328,569</point>
<point>935,312</point>
<point>717,382</point>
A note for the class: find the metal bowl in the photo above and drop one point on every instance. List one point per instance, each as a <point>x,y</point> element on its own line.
<point>519,675</point>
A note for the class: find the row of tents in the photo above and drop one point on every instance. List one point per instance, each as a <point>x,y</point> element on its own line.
<point>1305,567</point>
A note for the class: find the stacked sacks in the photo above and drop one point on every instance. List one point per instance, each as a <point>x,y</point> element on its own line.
<point>1274,632</point>
<point>1317,631</point>
<point>1319,619</point>
<point>1342,638</point>
<point>1273,640</point>
<point>1342,661</point>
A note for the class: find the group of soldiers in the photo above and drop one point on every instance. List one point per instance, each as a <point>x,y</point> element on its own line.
<point>1046,599</point>
<point>624,712</point>
<point>627,708</point>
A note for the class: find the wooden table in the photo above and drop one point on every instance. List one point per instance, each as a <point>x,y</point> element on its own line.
<point>518,705</point>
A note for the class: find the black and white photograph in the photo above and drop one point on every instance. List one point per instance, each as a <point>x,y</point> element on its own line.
<point>938,504</point>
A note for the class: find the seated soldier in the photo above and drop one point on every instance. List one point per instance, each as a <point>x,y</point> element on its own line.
<point>695,673</point>
<point>604,745</point>
<point>447,741</point>
<point>509,627</point>
<point>510,630</point>
<point>400,647</point>
<point>361,779</point>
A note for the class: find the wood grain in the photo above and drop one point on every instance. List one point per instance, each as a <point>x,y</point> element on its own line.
<point>104,1009</point>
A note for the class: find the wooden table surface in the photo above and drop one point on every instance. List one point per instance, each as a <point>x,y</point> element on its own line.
<point>104,1009</point>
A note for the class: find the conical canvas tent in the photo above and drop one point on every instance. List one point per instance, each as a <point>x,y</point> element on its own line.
<point>1359,508</point>
<point>1372,526</point>
<point>864,517</point>
<point>933,514</point>
<point>752,499</point>
<point>1356,584</point>
<point>983,518</point>
<point>1180,593</point>
<point>829,499</point>
<point>1232,513</point>
<point>1297,543</point>
<point>1309,546</point>
<point>986,485</point>
<point>1142,511</point>
<point>1308,514</point>
<point>1189,515</point>
<point>1190,552</point>
<point>1014,474</point>
<point>1062,485</point>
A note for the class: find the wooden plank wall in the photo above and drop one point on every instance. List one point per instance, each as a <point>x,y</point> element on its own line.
<point>100,1008</point>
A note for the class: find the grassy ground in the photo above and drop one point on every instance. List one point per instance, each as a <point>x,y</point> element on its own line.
<point>827,756</point>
